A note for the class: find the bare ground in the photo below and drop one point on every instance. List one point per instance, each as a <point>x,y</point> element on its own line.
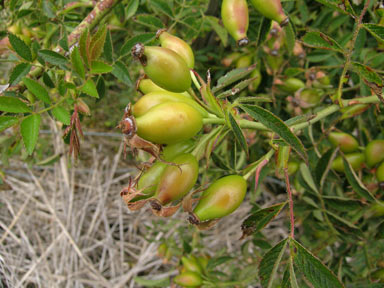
<point>64,226</point>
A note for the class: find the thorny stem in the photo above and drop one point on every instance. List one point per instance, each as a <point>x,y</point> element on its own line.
<point>292,216</point>
<point>350,51</point>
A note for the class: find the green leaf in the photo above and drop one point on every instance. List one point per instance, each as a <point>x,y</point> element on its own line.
<point>141,38</point>
<point>163,6</point>
<point>29,129</point>
<point>89,88</point>
<point>108,47</point>
<point>220,30</point>
<point>164,282</point>
<point>237,132</point>
<point>77,63</point>
<point>332,4</point>
<point>52,57</point>
<point>18,73</point>
<point>100,86</point>
<point>307,176</point>
<point>48,80</point>
<point>292,274</point>
<point>270,263</point>
<point>84,42</point>
<point>49,9</point>
<point>290,37</point>
<point>376,30</point>
<point>98,67</point>
<point>263,30</point>
<point>367,73</point>
<point>37,90</point>
<point>345,224</point>
<point>61,114</point>
<point>232,76</point>
<point>149,21</point>
<point>321,41</point>
<point>356,183</point>
<point>274,123</point>
<point>63,42</point>
<point>342,204</point>
<point>259,219</point>
<point>323,165</point>
<point>50,160</point>
<point>120,71</point>
<point>131,8</point>
<point>97,43</point>
<point>314,271</point>
<point>214,262</point>
<point>13,105</point>
<point>20,47</point>
<point>238,88</point>
<point>7,121</point>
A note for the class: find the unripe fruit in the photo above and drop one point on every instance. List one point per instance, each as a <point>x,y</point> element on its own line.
<point>149,180</point>
<point>228,60</point>
<point>176,181</point>
<point>203,261</point>
<point>164,67</point>
<point>374,152</point>
<point>293,167</point>
<point>188,279</point>
<point>169,123</point>
<point>346,142</point>
<point>191,264</point>
<point>355,159</point>
<point>271,9</point>
<point>178,45</point>
<point>171,151</point>
<point>234,14</point>
<point>291,85</point>
<point>244,61</point>
<point>309,98</point>
<point>221,198</point>
<point>147,86</point>
<point>380,173</point>
<point>155,98</point>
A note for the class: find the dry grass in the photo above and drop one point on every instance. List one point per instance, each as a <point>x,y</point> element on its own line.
<point>68,227</point>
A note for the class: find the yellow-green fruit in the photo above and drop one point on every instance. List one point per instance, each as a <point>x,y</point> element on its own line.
<point>155,98</point>
<point>255,83</point>
<point>147,86</point>
<point>309,98</point>
<point>164,67</point>
<point>171,151</point>
<point>380,173</point>
<point>178,45</point>
<point>176,181</point>
<point>244,61</point>
<point>228,60</point>
<point>203,262</point>
<point>271,9</point>
<point>374,152</point>
<point>190,263</point>
<point>169,123</point>
<point>221,198</point>
<point>234,14</point>
<point>293,167</point>
<point>149,180</point>
<point>291,85</point>
<point>346,142</point>
<point>355,159</point>
<point>188,279</point>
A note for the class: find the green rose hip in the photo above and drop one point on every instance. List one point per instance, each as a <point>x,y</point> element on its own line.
<point>176,181</point>
<point>221,198</point>
<point>164,67</point>
<point>169,123</point>
<point>234,14</point>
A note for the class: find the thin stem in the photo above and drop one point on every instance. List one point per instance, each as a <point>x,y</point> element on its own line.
<point>350,52</point>
<point>292,216</point>
<point>319,116</point>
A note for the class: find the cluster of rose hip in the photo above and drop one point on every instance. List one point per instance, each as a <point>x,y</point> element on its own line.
<point>163,122</point>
